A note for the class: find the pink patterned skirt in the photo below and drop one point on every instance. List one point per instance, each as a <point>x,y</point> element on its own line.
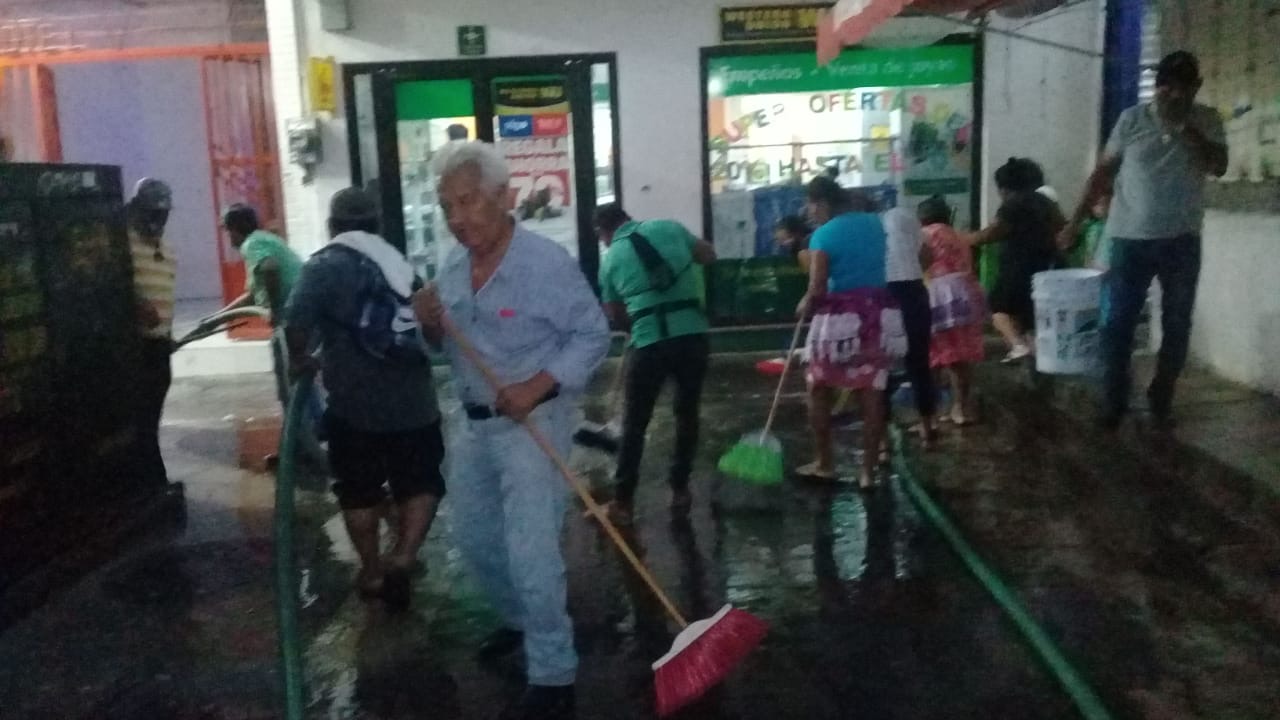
<point>855,338</point>
<point>956,300</point>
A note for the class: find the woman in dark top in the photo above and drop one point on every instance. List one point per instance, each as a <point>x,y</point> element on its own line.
<point>1026,226</point>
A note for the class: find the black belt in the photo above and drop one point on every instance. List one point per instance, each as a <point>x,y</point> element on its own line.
<point>662,310</point>
<point>489,412</point>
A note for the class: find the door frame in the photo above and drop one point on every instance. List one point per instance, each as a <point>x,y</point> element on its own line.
<point>383,76</point>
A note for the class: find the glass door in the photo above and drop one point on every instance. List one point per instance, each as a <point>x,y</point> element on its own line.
<point>539,112</point>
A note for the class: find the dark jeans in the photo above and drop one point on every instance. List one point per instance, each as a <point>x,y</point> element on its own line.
<point>154,377</point>
<point>917,318</point>
<point>684,359</point>
<point>1176,262</point>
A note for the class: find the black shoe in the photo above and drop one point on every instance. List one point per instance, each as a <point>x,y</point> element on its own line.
<point>541,702</point>
<point>499,644</point>
<point>1110,421</point>
<point>397,589</point>
<point>1161,409</point>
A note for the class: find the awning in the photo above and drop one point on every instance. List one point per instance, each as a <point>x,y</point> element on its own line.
<point>849,21</point>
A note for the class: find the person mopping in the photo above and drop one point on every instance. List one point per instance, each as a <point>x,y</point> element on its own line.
<point>649,285</point>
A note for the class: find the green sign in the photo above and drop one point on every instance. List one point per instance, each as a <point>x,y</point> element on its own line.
<point>770,22</point>
<point>471,40</point>
<point>799,72</point>
<point>430,99</point>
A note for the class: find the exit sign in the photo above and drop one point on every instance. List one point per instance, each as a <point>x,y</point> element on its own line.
<point>471,40</point>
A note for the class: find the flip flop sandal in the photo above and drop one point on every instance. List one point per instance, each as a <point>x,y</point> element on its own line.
<point>397,589</point>
<point>812,472</point>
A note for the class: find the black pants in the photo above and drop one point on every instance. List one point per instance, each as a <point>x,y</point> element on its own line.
<point>154,377</point>
<point>913,298</point>
<point>683,358</point>
<point>1176,262</point>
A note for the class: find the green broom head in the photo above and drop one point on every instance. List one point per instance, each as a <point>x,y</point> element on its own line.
<point>756,459</point>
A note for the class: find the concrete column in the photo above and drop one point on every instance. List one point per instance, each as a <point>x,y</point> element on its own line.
<point>304,225</point>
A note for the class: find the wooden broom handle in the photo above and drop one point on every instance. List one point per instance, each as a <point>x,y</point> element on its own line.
<point>593,507</point>
<point>786,367</point>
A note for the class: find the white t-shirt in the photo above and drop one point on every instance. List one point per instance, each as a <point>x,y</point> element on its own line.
<point>903,238</point>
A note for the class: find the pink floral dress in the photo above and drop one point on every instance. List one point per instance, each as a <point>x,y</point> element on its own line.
<point>955,298</point>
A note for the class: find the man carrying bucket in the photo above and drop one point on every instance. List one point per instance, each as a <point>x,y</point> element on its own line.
<point>525,305</point>
<point>1158,156</point>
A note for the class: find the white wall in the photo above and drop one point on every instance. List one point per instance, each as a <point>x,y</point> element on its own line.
<point>1041,102</point>
<point>148,117</point>
<point>1237,317</point>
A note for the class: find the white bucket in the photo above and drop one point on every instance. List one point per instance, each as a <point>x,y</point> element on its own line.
<point>1068,321</point>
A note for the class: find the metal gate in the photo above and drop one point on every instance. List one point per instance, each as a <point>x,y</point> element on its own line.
<point>240,121</point>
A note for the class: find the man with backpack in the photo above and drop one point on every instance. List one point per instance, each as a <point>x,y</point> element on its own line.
<point>382,421</point>
<point>649,285</point>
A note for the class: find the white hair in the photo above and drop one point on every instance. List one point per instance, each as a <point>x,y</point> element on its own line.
<point>482,156</point>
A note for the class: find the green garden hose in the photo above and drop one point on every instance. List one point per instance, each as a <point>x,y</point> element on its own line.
<point>1084,697</point>
<point>286,571</point>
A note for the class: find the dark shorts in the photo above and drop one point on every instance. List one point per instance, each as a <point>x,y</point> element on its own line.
<point>1012,296</point>
<point>364,462</point>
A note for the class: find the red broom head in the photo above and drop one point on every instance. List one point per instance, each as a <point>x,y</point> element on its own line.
<point>773,366</point>
<point>702,655</point>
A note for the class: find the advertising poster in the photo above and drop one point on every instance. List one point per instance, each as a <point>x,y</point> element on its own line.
<point>533,132</point>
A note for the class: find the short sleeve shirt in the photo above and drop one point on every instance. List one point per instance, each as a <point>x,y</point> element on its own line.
<point>1030,244</point>
<point>623,279</point>
<point>903,238</point>
<point>371,394</point>
<point>258,248</point>
<point>1159,191</point>
<point>854,244</point>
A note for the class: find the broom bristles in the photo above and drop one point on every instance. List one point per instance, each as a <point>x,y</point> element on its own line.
<point>702,655</point>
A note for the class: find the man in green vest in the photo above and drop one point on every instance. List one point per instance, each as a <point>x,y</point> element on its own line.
<point>650,286</point>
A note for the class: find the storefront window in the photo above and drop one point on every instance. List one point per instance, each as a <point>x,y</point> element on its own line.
<point>602,120</point>
<point>427,113</point>
<point>897,122</point>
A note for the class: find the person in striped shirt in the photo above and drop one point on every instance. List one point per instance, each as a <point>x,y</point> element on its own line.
<point>154,269</point>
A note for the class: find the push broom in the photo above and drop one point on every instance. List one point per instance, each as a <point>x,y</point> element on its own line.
<point>757,458</point>
<point>704,652</point>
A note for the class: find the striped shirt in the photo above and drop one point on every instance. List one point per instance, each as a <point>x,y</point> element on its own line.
<point>154,272</point>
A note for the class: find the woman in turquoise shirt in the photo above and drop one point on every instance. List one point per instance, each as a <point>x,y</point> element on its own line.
<point>856,332</point>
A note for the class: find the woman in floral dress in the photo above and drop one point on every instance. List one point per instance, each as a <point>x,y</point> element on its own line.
<point>959,309</point>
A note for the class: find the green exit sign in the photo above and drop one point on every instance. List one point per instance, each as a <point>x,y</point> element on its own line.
<point>471,40</point>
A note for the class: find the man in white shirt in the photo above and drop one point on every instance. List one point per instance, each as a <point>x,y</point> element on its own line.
<point>903,243</point>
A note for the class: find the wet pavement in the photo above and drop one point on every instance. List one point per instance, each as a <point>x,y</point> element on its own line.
<point>1159,580</point>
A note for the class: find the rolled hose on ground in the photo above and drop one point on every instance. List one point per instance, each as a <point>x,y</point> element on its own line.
<point>286,571</point>
<point>1079,690</point>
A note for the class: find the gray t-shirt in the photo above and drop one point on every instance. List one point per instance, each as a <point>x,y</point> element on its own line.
<point>1159,192</point>
<point>373,395</point>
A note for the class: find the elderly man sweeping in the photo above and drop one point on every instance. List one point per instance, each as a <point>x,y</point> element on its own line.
<point>527,308</point>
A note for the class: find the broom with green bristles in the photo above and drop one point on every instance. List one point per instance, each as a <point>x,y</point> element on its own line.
<point>757,458</point>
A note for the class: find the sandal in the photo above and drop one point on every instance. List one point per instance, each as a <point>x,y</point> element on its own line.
<point>397,589</point>
<point>370,591</point>
<point>868,483</point>
<point>812,471</point>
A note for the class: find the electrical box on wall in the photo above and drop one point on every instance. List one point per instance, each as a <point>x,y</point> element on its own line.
<point>305,149</point>
<point>335,15</point>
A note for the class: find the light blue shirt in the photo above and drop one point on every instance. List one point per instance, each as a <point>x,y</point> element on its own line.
<point>535,313</point>
<point>1159,191</point>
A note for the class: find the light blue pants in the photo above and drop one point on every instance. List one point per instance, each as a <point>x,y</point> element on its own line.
<point>508,506</point>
